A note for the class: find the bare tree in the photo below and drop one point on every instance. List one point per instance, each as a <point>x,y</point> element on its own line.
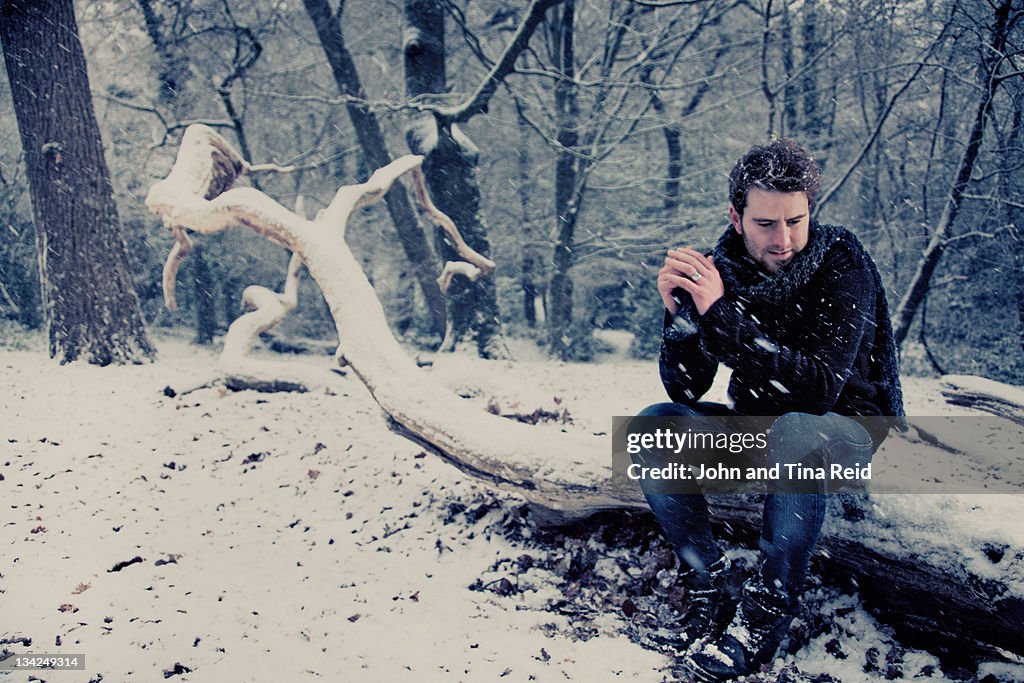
<point>994,66</point>
<point>601,95</point>
<point>174,28</point>
<point>89,303</point>
<point>568,171</point>
<point>452,158</point>
<point>450,168</point>
<point>173,61</point>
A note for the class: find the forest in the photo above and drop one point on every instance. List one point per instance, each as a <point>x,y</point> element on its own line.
<point>572,142</point>
<point>504,179</point>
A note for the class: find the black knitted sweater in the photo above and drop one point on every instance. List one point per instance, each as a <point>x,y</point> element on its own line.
<point>813,337</point>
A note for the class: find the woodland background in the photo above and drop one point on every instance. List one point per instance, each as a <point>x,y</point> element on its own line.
<point>610,140</point>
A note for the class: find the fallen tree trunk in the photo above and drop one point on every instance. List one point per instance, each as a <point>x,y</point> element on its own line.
<point>951,567</point>
<point>198,196</point>
<point>941,570</point>
<point>985,394</point>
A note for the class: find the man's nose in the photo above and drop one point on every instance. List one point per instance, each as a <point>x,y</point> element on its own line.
<point>783,238</point>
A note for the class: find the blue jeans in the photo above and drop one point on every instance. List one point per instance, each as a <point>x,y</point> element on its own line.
<point>793,512</point>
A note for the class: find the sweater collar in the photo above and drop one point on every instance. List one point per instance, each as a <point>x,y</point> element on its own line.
<point>742,275</point>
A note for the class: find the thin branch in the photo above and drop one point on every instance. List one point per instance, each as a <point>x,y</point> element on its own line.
<point>169,127</point>
<point>667,3</point>
<point>478,102</point>
<point>993,198</point>
<point>880,122</point>
<point>979,233</point>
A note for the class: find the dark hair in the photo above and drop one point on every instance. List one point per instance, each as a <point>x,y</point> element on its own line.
<point>780,166</point>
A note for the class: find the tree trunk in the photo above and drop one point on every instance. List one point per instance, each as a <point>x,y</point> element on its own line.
<point>673,149</point>
<point>991,60</point>
<point>675,168</point>
<point>789,124</point>
<point>173,64</point>
<point>89,303</point>
<point>172,77</point>
<point>451,172</point>
<point>19,279</point>
<point>528,276</point>
<point>766,90</point>
<point>567,171</point>
<point>814,113</point>
<point>371,141</point>
<point>206,318</point>
<point>1017,247</point>
<point>673,130</point>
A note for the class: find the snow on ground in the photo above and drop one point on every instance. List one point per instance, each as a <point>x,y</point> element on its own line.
<point>220,536</point>
<point>281,537</point>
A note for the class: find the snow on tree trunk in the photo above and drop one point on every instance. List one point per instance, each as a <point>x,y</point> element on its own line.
<point>89,303</point>
<point>985,394</point>
<point>266,308</point>
<point>507,453</point>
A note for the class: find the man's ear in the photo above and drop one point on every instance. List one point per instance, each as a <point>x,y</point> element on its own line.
<point>736,218</point>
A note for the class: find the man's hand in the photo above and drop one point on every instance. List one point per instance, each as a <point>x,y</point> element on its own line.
<point>695,274</point>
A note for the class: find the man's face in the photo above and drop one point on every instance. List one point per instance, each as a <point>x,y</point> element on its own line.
<point>774,226</point>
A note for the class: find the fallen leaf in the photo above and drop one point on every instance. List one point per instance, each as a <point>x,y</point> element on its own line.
<point>127,563</point>
<point>176,670</point>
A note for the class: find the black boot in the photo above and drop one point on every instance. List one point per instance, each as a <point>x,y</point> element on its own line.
<point>750,640</point>
<point>709,602</point>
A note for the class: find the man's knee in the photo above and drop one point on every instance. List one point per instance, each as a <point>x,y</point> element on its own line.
<point>797,438</point>
<point>659,457</point>
<point>813,439</point>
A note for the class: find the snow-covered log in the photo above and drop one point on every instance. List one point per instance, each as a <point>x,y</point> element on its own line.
<point>947,571</point>
<point>985,394</point>
<point>543,466</point>
<point>946,565</point>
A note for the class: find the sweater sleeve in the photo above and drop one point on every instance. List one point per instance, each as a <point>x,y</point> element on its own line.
<point>687,369</point>
<point>809,374</point>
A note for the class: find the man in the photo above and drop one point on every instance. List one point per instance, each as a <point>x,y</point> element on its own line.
<point>797,310</point>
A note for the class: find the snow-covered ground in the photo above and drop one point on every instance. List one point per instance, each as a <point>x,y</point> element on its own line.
<point>219,536</point>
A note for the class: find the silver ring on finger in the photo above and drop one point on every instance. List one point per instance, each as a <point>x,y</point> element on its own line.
<point>695,276</point>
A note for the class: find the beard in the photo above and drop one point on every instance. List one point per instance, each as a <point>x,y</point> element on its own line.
<point>766,261</point>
